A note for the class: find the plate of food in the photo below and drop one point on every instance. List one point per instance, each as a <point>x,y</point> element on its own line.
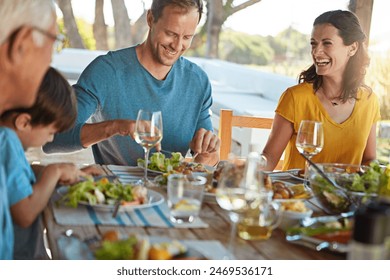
<point>102,195</point>
<point>332,233</point>
<point>159,163</point>
<point>288,192</point>
<point>136,247</point>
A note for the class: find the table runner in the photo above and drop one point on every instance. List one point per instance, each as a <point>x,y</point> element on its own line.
<point>155,216</point>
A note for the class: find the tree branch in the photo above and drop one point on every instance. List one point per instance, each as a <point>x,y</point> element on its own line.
<point>243,5</point>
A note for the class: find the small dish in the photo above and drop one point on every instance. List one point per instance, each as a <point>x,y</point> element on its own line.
<point>292,218</point>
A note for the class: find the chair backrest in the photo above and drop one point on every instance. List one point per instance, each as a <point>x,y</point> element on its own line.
<point>226,123</point>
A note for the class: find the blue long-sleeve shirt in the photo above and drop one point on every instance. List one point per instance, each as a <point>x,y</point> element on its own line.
<point>116,86</point>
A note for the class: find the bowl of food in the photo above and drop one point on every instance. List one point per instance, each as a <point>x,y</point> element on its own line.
<point>353,185</point>
<point>292,213</point>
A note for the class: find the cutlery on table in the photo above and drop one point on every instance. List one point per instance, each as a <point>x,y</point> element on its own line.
<point>308,221</point>
<point>116,206</point>
<point>190,155</point>
<point>317,244</point>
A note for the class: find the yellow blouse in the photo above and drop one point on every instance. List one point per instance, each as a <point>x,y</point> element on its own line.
<point>343,143</point>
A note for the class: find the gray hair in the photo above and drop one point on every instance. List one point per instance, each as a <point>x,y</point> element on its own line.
<point>17,13</point>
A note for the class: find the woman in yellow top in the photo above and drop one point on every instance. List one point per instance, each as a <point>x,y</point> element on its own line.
<point>333,92</point>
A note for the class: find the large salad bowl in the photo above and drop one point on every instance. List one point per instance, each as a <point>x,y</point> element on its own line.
<point>354,185</point>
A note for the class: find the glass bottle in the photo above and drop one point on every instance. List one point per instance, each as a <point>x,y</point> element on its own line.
<point>369,233</point>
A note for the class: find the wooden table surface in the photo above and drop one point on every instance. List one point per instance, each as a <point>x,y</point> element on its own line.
<point>275,248</point>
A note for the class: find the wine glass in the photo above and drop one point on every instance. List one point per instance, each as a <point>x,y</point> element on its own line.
<point>310,140</point>
<point>148,133</point>
<point>238,191</point>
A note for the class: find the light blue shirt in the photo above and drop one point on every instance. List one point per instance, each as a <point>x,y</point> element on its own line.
<point>6,227</point>
<point>116,86</point>
<point>19,179</point>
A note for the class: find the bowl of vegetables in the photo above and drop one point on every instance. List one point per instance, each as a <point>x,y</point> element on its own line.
<point>353,185</point>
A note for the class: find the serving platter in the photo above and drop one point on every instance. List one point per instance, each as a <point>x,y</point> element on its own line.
<point>78,249</point>
<point>334,241</point>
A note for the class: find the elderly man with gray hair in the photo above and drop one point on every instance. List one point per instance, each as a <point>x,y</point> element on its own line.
<point>27,34</point>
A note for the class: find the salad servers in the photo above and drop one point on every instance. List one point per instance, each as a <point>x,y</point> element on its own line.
<point>321,172</point>
<point>317,244</point>
<point>308,221</point>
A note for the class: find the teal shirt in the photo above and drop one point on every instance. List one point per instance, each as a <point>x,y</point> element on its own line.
<point>116,86</point>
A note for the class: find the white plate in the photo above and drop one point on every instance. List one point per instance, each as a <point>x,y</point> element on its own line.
<point>154,198</point>
<point>288,174</point>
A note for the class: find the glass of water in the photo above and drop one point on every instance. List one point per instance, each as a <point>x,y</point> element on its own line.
<point>185,196</point>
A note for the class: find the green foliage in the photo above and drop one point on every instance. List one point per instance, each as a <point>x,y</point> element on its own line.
<point>245,49</point>
<point>85,31</point>
<point>378,79</point>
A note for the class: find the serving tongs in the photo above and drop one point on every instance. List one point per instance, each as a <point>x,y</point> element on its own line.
<point>317,244</point>
<point>323,175</point>
<point>309,221</point>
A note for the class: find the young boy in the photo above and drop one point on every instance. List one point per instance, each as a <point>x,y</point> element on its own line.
<point>54,111</point>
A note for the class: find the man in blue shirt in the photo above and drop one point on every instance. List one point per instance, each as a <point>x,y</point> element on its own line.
<point>27,34</point>
<point>151,76</point>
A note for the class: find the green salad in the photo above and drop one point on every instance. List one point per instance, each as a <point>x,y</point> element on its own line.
<point>159,162</point>
<point>118,250</point>
<point>97,192</point>
<point>359,187</point>
<point>371,181</point>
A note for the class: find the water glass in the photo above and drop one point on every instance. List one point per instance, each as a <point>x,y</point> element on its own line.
<point>185,196</point>
<point>258,223</point>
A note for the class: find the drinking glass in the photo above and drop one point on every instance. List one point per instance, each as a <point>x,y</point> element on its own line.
<point>148,133</point>
<point>238,191</point>
<point>310,140</point>
<point>185,195</point>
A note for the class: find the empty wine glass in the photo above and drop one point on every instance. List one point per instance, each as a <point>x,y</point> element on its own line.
<point>148,133</point>
<point>238,191</point>
<point>310,140</point>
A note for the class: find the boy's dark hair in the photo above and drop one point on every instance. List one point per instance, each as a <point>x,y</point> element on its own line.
<point>159,5</point>
<point>56,103</point>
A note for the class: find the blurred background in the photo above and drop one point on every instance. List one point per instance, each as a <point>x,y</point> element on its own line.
<point>252,50</point>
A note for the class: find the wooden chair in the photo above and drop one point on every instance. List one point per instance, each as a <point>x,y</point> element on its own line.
<point>226,123</point>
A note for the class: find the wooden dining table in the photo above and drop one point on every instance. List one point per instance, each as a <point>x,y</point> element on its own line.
<point>219,227</point>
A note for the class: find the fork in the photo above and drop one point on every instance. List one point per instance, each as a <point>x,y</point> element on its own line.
<point>191,157</point>
<point>116,206</point>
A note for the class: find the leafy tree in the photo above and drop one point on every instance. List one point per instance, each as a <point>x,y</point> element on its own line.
<point>218,12</point>
<point>245,49</point>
